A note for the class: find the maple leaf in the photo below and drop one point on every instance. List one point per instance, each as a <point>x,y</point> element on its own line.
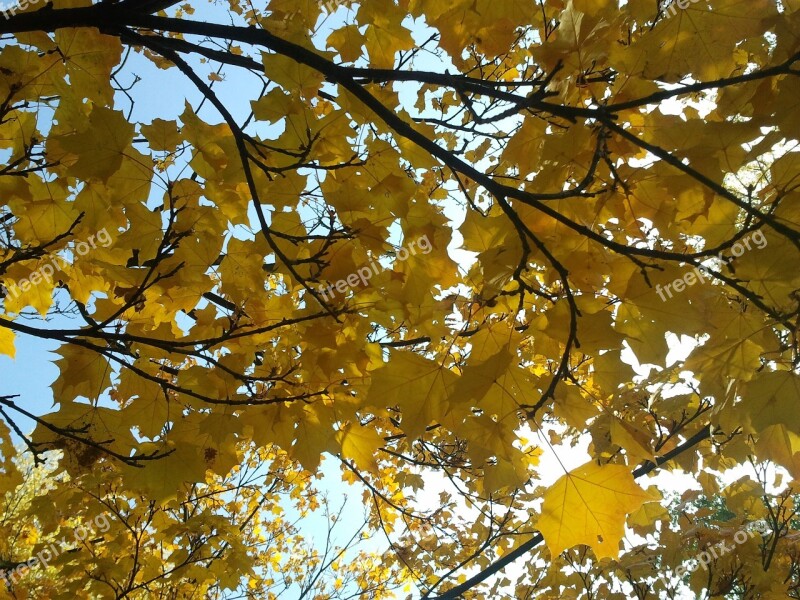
<point>772,399</point>
<point>589,506</point>
<point>100,148</point>
<point>162,135</point>
<point>7,342</point>
<point>361,445</point>
<point>418,386</point>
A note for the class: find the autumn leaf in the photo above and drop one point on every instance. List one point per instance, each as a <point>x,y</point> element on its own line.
<point>589,506</point>
<point>162,135</point>
<point>418,386</point>
<point>7,342</point>
<point>84,373</point>
<point>100,148</point>
<point>772,399</point>
<point>361,445</point>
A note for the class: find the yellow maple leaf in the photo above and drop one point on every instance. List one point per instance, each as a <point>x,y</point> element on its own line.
<point>589,506</point>
<point>781,446</point>
<point>292,75</point>
<point>89,57</point>
<point>771,398</point>
<point>7,342</point>
<point>632,439</point>
<point>418,386</point>
<point>99,149</point>
<point>360,444</point>
<point>83,373</point>
<point>348,42</point>
<point>162,135</point>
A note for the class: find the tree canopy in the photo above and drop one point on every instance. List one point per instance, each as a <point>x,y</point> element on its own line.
<point>438,242</point>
